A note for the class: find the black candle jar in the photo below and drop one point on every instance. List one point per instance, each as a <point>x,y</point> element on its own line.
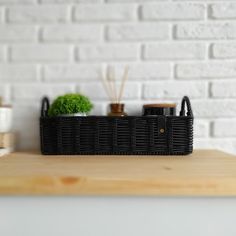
<point>164,109</point>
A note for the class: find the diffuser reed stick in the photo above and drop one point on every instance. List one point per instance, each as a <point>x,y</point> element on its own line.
<point>114,84</point>
<point>110,84</point>
<point>124,79</point>
<point>105,85</point>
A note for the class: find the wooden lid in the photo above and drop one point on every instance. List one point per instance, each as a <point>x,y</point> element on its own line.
<point>160,105</point>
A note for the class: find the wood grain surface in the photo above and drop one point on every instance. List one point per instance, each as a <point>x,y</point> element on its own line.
<point>204,173</point>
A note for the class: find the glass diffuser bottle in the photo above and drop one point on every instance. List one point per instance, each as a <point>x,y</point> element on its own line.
<point>117,109</point>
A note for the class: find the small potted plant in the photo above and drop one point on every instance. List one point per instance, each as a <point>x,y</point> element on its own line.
<point>70,105</point>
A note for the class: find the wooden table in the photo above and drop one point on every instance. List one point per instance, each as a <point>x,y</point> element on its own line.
<point>204,173</point>
<point>118,195</point>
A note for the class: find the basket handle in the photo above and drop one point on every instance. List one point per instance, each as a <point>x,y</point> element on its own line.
<point>44,107</point>
<point>186,101</point>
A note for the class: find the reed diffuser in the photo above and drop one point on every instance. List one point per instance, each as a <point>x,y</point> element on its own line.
<point>115,92</point>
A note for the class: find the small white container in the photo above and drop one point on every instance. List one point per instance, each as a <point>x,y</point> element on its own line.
<point>74,114</point>
<point>5,119</point>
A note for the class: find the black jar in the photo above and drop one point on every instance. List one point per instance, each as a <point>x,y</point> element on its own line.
<point>164,109</point>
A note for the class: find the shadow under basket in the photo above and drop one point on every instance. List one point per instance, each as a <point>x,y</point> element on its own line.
<point>129,135</point>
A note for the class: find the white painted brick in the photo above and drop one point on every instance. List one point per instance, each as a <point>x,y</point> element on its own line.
<point>1,14</point>
<point>136,32</point>
<point>138,1</point>
<point>223,10</point>
<point>174,51</point>
<point>99,108</point>
<point>19,33</point>
<point>32,135</point>
<point>215,30</point>
<point>223,144</point>
<point>201,128</point>
<point>22,110</point>
<point>223,89</point>
<point>37,14</point>
<point>210,1</point>
<point>107,12</point>
<point>224,50</point>
<point>97,91</point>
<point>20,2</point>
<point>38,91</point>
<point>18,73</point>
<point>2,53</point>
<point>224,128</point>
<point>174,89</point>
<point>214,108</point>
<point>210,70</point>
<point>69,72</point>
<point>70,1</point>
<point>173,11</point>
<point>5,94</point>
<point>132,108</point>
<point>108,52</point>
<point>26,124</point>
<point>78,72</point>
<point>143,71</point>
<point>40,53</point>
<point>70,33</point>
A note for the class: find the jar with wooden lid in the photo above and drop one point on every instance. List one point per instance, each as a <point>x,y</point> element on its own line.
<point>163,109</point>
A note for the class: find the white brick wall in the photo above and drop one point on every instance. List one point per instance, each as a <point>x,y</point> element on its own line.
<point>40,53</point>
<point>105,12</point>
<point>223,10</point>
<point>138,32</point>
<point>205,30</point>
<point>174,51</point>
<point>17,33</point>
<point>37,14</point>
<point>173,11</point>
<point>173,48</point>
<point>17,73</point>
<point>108,52</point>
<point>170,89</point>
<point>224,50</point>
<point>72,33</point>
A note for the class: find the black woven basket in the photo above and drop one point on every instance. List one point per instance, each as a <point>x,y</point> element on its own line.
<point>139,135</point>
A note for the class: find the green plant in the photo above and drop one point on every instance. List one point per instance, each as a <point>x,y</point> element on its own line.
<point>70,104</point>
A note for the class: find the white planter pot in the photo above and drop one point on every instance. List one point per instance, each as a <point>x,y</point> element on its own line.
<point>5,119</point>
<point>75,114</point>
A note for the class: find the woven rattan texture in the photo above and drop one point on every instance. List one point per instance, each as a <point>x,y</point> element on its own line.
<point>141,135</point>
